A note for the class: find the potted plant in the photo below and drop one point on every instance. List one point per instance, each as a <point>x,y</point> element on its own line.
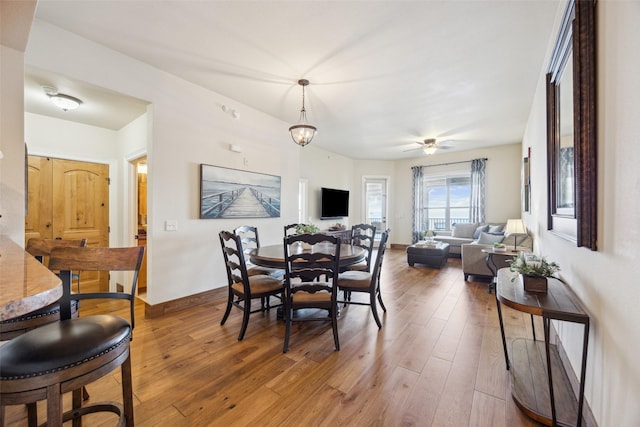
<point>499,247</point>
<point>307,229</point>
<point>428,235</point>
<point>534,271</point>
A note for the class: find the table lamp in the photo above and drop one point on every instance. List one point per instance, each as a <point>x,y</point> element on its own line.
<point>515,226</point>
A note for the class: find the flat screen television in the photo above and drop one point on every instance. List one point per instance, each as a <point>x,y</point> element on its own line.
<point>334,203</point>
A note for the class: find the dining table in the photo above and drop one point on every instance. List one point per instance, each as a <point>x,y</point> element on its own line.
<point>25,284</point>
<point>272,256</point>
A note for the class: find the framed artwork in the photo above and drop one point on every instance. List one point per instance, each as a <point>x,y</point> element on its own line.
<point>233,193</point>
<point>526,183</point>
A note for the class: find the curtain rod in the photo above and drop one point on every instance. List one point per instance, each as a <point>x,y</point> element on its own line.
<point>451,163</point>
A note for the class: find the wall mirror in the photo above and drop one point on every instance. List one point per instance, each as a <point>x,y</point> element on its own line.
<point>571,128</point>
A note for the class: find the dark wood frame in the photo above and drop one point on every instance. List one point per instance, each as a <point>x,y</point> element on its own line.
<point>577,36</point>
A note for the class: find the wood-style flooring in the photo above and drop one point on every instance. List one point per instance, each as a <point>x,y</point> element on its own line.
<point>437,361</point>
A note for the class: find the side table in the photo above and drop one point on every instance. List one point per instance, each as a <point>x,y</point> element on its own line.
<point>551,402</point>
<point>492,264</point>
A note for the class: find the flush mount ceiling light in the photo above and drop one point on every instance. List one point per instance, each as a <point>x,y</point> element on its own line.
<point>60,100</point>
<point>302,133</point>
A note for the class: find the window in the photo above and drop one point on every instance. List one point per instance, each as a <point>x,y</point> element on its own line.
<point>447,201</point>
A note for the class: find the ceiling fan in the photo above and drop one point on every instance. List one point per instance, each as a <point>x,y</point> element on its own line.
<point>429,146</point>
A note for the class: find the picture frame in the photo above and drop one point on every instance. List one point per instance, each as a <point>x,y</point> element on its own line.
<point>526,184</point>
<point>234,193</point>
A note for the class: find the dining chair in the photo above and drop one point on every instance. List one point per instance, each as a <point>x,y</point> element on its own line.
<point>290,229</point>
<point>250,241</point>
<point>365,282</point>
<point>311,281</point>
<point>64,356</point>
<point>41,250</point>
<point>242,288</point>
<point>363,235</point>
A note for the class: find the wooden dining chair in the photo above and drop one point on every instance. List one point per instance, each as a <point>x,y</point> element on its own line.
<point>365,282</point>
<point>41,250</point>
<point>250,241</point>
<point>64,356</point>
<point>290,229</point>
<point>242,288</point>
<point>311,281</point>
<point>363,235</point>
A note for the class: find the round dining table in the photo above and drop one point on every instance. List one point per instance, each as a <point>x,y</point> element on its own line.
<point>25,284</point>
<point>272,256</point>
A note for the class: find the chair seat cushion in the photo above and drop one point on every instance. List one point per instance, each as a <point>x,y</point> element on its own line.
<point>61,345</point>
<point>260,284</point>
<point>354,279</point>
<point>310,297</point>
<point>361,266</point>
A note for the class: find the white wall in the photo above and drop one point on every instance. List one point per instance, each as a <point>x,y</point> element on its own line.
<point>326,169</point>
<point>605,280</point>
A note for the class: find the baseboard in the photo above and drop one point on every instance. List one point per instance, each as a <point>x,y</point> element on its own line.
<point>158,310</point>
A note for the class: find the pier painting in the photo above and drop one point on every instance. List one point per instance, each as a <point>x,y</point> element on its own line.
<point>233,193</point>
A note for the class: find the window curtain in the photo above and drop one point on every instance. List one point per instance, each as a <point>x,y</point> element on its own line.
<point>478,185</point>
<point>418,203</point>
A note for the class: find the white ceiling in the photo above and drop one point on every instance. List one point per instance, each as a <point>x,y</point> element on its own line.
<point>383,74</point>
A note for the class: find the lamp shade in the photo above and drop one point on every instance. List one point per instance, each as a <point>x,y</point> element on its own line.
<point>515,226</point>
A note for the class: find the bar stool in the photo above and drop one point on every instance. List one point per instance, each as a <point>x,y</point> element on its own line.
<point>39,248</point>
<point>65,356</point>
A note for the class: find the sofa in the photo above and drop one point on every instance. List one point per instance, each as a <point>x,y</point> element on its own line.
<point>462,234</point>
<point>474,260</point>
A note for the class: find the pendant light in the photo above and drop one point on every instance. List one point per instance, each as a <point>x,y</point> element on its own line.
<point>302,133</point>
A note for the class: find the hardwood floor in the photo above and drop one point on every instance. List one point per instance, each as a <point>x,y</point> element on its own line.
<point>437,361</point>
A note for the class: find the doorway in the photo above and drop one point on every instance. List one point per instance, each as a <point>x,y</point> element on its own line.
<point>68,199</point>
<point>140,194</point>
<point>375,203</point>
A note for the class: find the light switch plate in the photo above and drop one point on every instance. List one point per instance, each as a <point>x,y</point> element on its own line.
<point>171,225</point>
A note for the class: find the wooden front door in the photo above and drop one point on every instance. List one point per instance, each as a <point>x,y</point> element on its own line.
<point>69,200</point>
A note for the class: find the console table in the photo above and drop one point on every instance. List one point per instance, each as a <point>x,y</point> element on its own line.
<point>490,260</point>
<point>550,401</point>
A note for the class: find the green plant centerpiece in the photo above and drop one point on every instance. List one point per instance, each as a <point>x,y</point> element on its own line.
<point>534,271</point>
<point>307,229</point>
<point>428,234</point>
<point>499,247</point>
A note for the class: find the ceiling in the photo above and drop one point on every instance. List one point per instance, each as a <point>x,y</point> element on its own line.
<point>383,74</point>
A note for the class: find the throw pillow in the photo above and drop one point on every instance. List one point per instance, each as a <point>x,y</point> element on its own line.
<point>479,230</point>
<point>494,229</point>
<point>464,230</point>
<point>490,239</point>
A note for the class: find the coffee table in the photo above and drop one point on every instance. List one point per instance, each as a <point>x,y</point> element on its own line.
<point>431,254</point>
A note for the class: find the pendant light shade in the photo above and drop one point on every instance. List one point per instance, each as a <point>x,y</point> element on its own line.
<point>302,133</point>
